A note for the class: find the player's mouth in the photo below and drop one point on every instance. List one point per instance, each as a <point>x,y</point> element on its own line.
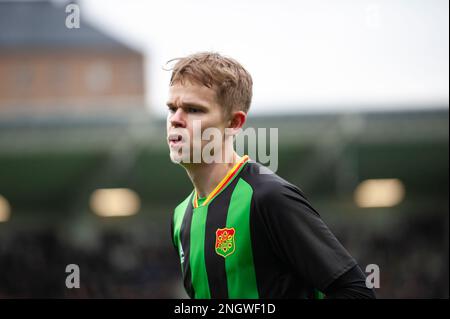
<point>175,139</point>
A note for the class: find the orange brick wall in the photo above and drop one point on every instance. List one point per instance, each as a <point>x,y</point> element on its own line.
<point>69,77</point>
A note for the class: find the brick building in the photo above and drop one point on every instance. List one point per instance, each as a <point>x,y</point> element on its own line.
<point>46,67</point>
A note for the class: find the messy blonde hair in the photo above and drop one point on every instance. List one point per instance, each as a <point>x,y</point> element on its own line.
<point>232,83</point>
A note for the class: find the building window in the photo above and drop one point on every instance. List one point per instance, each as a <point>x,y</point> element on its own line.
<point>59,77</point>
<point>98,77</point>
<point>133,76</point>
<point>23,78</point>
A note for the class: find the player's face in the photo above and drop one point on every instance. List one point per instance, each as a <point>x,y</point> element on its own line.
<point>191,106</point>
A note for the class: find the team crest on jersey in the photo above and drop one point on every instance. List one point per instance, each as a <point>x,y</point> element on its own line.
<point>225,241</point>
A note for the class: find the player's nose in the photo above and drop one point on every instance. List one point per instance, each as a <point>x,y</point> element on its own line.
<point>178,118</point>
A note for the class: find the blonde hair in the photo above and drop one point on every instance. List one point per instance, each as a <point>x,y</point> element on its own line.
<point>232,83</point>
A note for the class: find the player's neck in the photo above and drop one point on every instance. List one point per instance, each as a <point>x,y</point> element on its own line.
<point>205,177</point>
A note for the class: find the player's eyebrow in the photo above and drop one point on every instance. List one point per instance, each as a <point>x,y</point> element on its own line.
<point>189,104</point>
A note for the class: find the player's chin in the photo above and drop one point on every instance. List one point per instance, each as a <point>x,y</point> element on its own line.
<point>178,158</point>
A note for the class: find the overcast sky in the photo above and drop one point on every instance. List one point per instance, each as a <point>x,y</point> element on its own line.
<point>307,56</point>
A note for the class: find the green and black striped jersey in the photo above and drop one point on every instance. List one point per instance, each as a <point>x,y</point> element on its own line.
<point>255,236</point>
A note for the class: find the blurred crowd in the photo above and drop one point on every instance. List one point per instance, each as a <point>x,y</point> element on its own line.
<point>33,265</point>
<point>413,263</point>
<point>412,257</point>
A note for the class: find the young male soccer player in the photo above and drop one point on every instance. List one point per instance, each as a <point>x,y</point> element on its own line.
<point>240,233</point>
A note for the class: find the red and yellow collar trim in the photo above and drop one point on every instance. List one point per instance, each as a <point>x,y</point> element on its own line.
<point>223,183</point>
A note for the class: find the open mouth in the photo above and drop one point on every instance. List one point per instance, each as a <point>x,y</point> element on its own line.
<point>175,138</point>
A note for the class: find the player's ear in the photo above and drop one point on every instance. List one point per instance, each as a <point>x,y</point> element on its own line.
<point>237,120</point>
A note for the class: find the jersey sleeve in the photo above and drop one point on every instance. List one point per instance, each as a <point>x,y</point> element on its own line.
<point>300,237</point>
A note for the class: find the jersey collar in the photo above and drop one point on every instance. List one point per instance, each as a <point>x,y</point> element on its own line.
<point>223,183</point>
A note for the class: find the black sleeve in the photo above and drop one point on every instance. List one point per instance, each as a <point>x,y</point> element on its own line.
<point>350,285</point>
<point>300,237</point>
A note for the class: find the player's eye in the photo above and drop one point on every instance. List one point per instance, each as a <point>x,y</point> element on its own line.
<point>172,109</point>
<point>193,110</point>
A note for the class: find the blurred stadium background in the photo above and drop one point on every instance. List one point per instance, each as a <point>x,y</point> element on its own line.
<point>85,176</point>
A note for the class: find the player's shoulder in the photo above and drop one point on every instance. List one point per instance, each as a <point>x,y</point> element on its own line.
<point>273,194</point>
<point>181,207</point>
<point>267,184</point>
